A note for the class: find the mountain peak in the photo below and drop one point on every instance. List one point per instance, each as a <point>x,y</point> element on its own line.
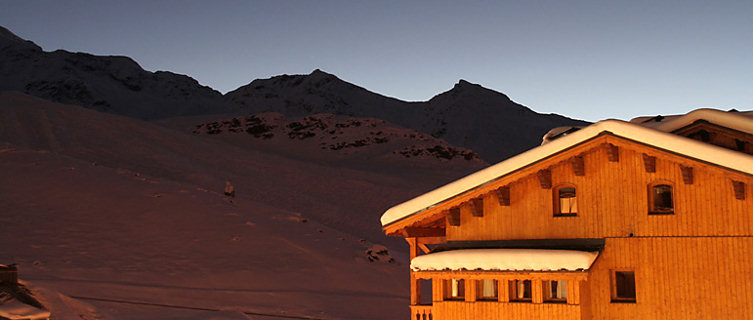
<point>462,83</point>
<point>8,38</point>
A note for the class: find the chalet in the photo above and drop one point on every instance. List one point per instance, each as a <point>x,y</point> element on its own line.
<point>647,219</point>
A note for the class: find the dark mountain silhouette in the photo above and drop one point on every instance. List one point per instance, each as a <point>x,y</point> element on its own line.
<point>468,115</point>
<point>113,84</point>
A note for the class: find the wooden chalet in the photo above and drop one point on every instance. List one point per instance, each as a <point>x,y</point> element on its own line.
<point>648,219</point>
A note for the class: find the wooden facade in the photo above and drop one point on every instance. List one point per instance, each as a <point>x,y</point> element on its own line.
<point>691,260</point>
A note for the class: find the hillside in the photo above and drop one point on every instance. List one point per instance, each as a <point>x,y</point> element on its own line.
<point>99,205</point>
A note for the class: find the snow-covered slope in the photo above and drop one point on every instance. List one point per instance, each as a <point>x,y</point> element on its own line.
<point>468,115</point>
<point>113,84</point>
<point>104,206</point>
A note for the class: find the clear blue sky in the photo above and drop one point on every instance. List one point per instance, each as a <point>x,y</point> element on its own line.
<point>584,59</point>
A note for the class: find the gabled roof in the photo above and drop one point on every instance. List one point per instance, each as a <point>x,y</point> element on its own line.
<point>649,135</point>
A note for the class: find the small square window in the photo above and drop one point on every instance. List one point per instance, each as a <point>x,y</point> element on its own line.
<point>487,289</point>
<point>623,286</point>
<point>454,289</point>
<point>565,201</point>
<point>520,290</point>
<point>555,291</point>
<point>661,199</point>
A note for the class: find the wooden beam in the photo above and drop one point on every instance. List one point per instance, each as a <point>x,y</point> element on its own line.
<point>613,153</point>
<point>687,174</point>
<point>649,163</point>
<point>477,206</point>
<point>412,232</point>
<point>424,248</point>
<point>433,240</point>
<point>503,195</point>
<point>453,217</point>
<point>579,167</point>
<point>739,187</point>
<point>545,178</point>
<point>415,282</point>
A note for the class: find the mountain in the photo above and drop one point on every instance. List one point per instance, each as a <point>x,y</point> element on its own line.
<point>468,115</point>
<point>112,84</point>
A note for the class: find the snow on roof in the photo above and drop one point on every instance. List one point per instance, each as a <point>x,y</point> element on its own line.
<point>505,260</point>
<point>737,120</point>
<point>702,151</point>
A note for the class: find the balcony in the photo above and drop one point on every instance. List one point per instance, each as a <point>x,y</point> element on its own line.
<point>420,312</point>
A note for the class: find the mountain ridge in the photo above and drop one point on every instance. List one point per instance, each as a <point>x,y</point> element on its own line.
<point>467,115</point>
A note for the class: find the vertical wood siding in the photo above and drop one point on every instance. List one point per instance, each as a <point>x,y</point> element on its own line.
<point>613,200</point>
<point>676,278</point>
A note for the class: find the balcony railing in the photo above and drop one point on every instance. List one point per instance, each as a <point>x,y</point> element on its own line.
<point>421,312</point>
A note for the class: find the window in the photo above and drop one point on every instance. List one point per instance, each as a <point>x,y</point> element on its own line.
<point>454,289</point>
<point>565,201</point>
<point>487,289</point>
<point>520,290</point>
<point>660,197</point>
<point>623,286</point>
<point>555,290</point>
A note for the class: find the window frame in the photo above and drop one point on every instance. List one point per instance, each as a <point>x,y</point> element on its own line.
<point>652,209</point>
<point>557,202</point>
<point>546,286</point>
<point>614,291</point>
<point>480,290</point>
<point>513,290</point>
<point>447,288</point>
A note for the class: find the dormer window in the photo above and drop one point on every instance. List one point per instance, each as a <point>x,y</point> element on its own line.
<point>660,197</point>
<point>565,201</point>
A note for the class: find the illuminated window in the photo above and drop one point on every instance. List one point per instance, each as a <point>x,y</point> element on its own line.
<point>454,289</point>
<point>661,199</point>
<point>565,201</point>
<point>623,286</point>
<point>520,290</point>
<point>487,289</point>
<point>555,290</point>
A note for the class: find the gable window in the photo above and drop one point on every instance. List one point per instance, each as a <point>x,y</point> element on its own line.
<point>487,289</point>
<point>520,290</point>
<point>555,291</point>
<point>565,201</point>
<point>660,197</point>
<point>623,286</point>
<point>454,289</point>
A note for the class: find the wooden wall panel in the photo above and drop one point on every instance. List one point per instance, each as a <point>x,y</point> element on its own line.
<point>676,278</point>
<point>612,199</point>
<point>493,310</point>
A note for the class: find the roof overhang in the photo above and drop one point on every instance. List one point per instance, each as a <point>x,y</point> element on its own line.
<point>506,260</point>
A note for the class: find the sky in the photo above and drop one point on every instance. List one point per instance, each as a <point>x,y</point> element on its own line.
<point>590,60</point>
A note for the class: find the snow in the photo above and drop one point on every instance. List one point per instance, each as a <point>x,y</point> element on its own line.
<point>740,121</point>
<point>14,309</point>
<point>505,260</point>
<point>695,149</point>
